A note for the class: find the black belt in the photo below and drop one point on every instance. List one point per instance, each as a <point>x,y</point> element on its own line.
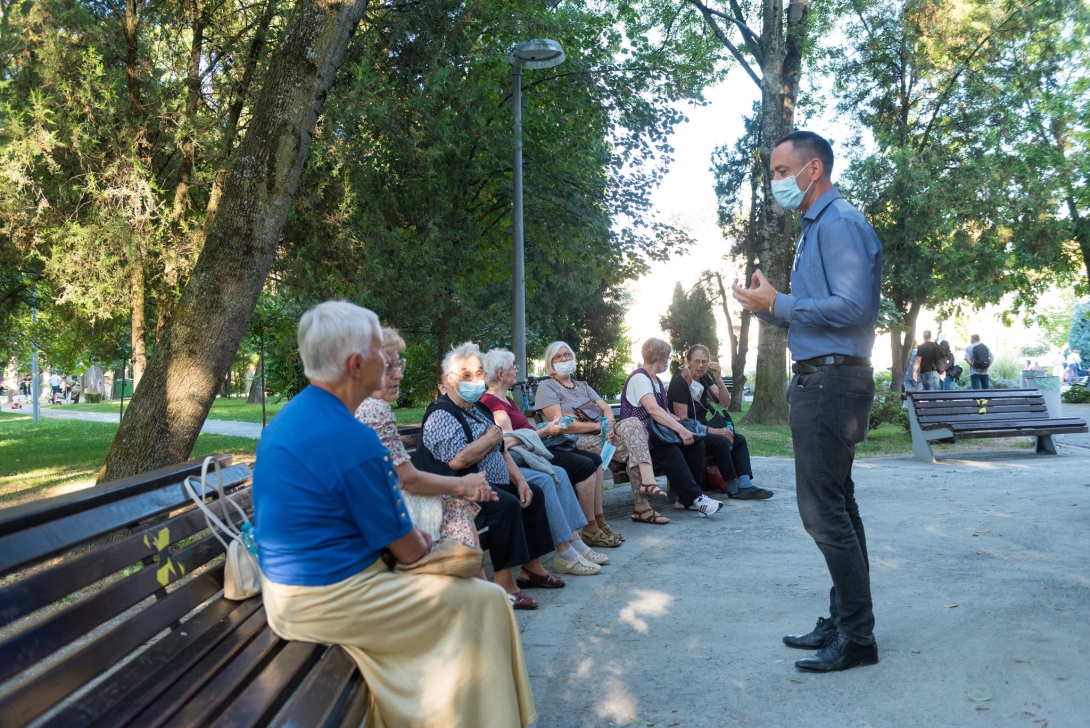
<point>809,366</point>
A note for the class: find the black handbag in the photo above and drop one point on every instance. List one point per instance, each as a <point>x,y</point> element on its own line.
<point>564,443</point>
<point>663,435</point>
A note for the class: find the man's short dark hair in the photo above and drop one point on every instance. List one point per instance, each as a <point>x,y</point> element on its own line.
<point>927,335</point>
<point>810,145</point>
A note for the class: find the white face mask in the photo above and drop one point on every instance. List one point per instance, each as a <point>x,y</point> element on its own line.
<point>565,368</point>
<point>787,192</point>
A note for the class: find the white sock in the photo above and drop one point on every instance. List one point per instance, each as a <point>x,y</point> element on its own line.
<point>567,553</point>
<point>580,546</point>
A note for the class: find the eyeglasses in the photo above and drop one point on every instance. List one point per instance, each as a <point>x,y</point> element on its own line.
<point>566,356</point>
<point>395,364</point>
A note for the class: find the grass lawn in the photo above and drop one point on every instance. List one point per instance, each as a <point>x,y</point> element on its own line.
<point>237,410</point>
<point>59,456</point>
<point>775,441</point>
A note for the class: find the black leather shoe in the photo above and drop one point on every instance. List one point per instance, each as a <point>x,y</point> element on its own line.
<point>841,654</point>
<point>824,633</point>
<point>752,493</point>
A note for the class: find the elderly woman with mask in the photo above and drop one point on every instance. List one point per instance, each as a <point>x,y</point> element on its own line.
<point>695,393</point>
<point>327,503</point>
<point>459,437</point>
<point>644,399</point>
<point>561,395</point>
<point>500,374</point>
<point>444,507</point>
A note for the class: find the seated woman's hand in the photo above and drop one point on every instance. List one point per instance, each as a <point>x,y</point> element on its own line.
<point>493,436</point>
<point>722,432</point>
<point>553,428</point>
<point>525,494</point>
<point>686,437</point>
<point>475,488</point>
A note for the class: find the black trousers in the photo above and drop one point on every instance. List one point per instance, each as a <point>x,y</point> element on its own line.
<point>516,535</point>
<point>830,414</point>
<point>578,465</point>
<point>731,462</point>
<point>684,466</point>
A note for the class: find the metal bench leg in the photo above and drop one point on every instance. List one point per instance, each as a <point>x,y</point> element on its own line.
<point>921,446</point>
<point>1046,445</point>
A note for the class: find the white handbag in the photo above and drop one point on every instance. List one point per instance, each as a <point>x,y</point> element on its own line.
<point>241,574</point>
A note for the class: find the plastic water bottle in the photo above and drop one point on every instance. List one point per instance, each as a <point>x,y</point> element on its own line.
<point>248,538</point>
<point>730,427</point>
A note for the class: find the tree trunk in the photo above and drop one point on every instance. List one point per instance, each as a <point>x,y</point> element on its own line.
<point>139,321</point>
<point>214,311</point>
<point>739,345</point>
<point>901,345</point>
<point>779,88</point>
<point>257,392</point>
<point>11,380</point>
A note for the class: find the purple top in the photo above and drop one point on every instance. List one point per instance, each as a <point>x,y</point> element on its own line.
<point>628,410</point>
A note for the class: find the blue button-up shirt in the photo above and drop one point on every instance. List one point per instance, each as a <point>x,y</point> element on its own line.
<point>835,283</point>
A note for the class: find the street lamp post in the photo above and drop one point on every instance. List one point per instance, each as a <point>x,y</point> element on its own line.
<point>533,54</point>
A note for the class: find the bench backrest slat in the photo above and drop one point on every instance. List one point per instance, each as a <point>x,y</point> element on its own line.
<point>974,394</point>
<point>29,541</point>
<point>60,580</point>
<point>45,637</point>
<point>51,686</point>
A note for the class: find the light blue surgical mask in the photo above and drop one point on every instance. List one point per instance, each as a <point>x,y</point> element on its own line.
<point>471,391</point>
<point>787,192</point>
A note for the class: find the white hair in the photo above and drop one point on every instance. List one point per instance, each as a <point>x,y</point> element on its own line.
<point>496,361</point>
<point>330,333</point>
<point>553,350</point>
<point>459,354</point>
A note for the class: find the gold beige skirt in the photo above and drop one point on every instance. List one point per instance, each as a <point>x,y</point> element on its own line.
<point>436,651</point>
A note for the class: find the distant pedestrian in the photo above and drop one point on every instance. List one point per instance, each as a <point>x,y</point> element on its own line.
<point>75,389</point>
<point>929,360</point>
<point>1058,364</point>
<point>979,358</point>
<point>951,372</point>
<point>55,384</point>
<point>1074,363</point>
<point>910,382</point>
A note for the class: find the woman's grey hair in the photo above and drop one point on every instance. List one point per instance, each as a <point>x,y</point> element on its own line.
<point>655,350</point>
<point>496,361</point>
<point>554,349</point>
<point>459,354</point>
<point>331,332</point>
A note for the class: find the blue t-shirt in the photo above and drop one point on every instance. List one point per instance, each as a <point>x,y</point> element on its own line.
<point>326,495</point>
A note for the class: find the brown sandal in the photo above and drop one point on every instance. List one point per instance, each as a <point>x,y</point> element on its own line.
<point>519,600</point>
<point>651,489</point>
<point>609,531</point>
<point>529,580</point>
<point>650,515</point>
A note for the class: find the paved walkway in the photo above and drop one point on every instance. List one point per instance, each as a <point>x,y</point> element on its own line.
<point>251,430</point>
<point>981,579</point>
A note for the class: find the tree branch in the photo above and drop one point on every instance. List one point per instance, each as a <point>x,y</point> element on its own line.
<point>710,19</point>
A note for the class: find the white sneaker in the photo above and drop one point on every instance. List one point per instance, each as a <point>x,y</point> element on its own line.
<point>594,557</point>
<point>576,567</point>
<point>707,506</point>
<point>678,506</point>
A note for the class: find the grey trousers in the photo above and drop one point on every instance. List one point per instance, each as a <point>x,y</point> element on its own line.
<point>830,414</point>
<point>561,503</point>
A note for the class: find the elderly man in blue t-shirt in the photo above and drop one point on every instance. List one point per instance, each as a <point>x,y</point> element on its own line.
<point>326,505</point>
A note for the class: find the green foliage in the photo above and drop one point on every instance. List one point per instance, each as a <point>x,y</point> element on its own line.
<point>1006,366</point>
<point>1078,334</point>
<point>689,320</point>
<point>1076,395</point>
<point>887,408</point>
<point>92,397</point>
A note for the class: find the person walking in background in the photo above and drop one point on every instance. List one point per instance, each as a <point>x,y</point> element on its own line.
<point>55,385</point>
<point>951,372</point>
<point>929,360</point>
<point>909,382</point>
<point>979,358</point>
<point>1074,362</point>
<point>830,317</point>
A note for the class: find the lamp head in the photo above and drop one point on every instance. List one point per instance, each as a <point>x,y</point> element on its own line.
<point>537,53</point>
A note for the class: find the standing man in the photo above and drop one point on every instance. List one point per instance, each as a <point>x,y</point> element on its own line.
<point>979,358</point>
<point>929,361</point>
<point>830,316</point>
<point>55,385</point>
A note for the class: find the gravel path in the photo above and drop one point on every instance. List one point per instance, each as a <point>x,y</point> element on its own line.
<point>251,430</point>
<point>684,627</point>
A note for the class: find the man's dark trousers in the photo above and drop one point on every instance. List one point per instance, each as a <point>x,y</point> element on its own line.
<point>830,414</point>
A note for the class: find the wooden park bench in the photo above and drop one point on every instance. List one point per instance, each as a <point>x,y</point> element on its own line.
<point>978,413</point>
<point>111,614</point>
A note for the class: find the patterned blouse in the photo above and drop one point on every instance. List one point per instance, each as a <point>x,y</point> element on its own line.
<point>444,436</point>
<point>379,416</point>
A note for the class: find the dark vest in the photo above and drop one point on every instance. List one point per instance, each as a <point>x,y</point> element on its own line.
<point>422,458</point>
